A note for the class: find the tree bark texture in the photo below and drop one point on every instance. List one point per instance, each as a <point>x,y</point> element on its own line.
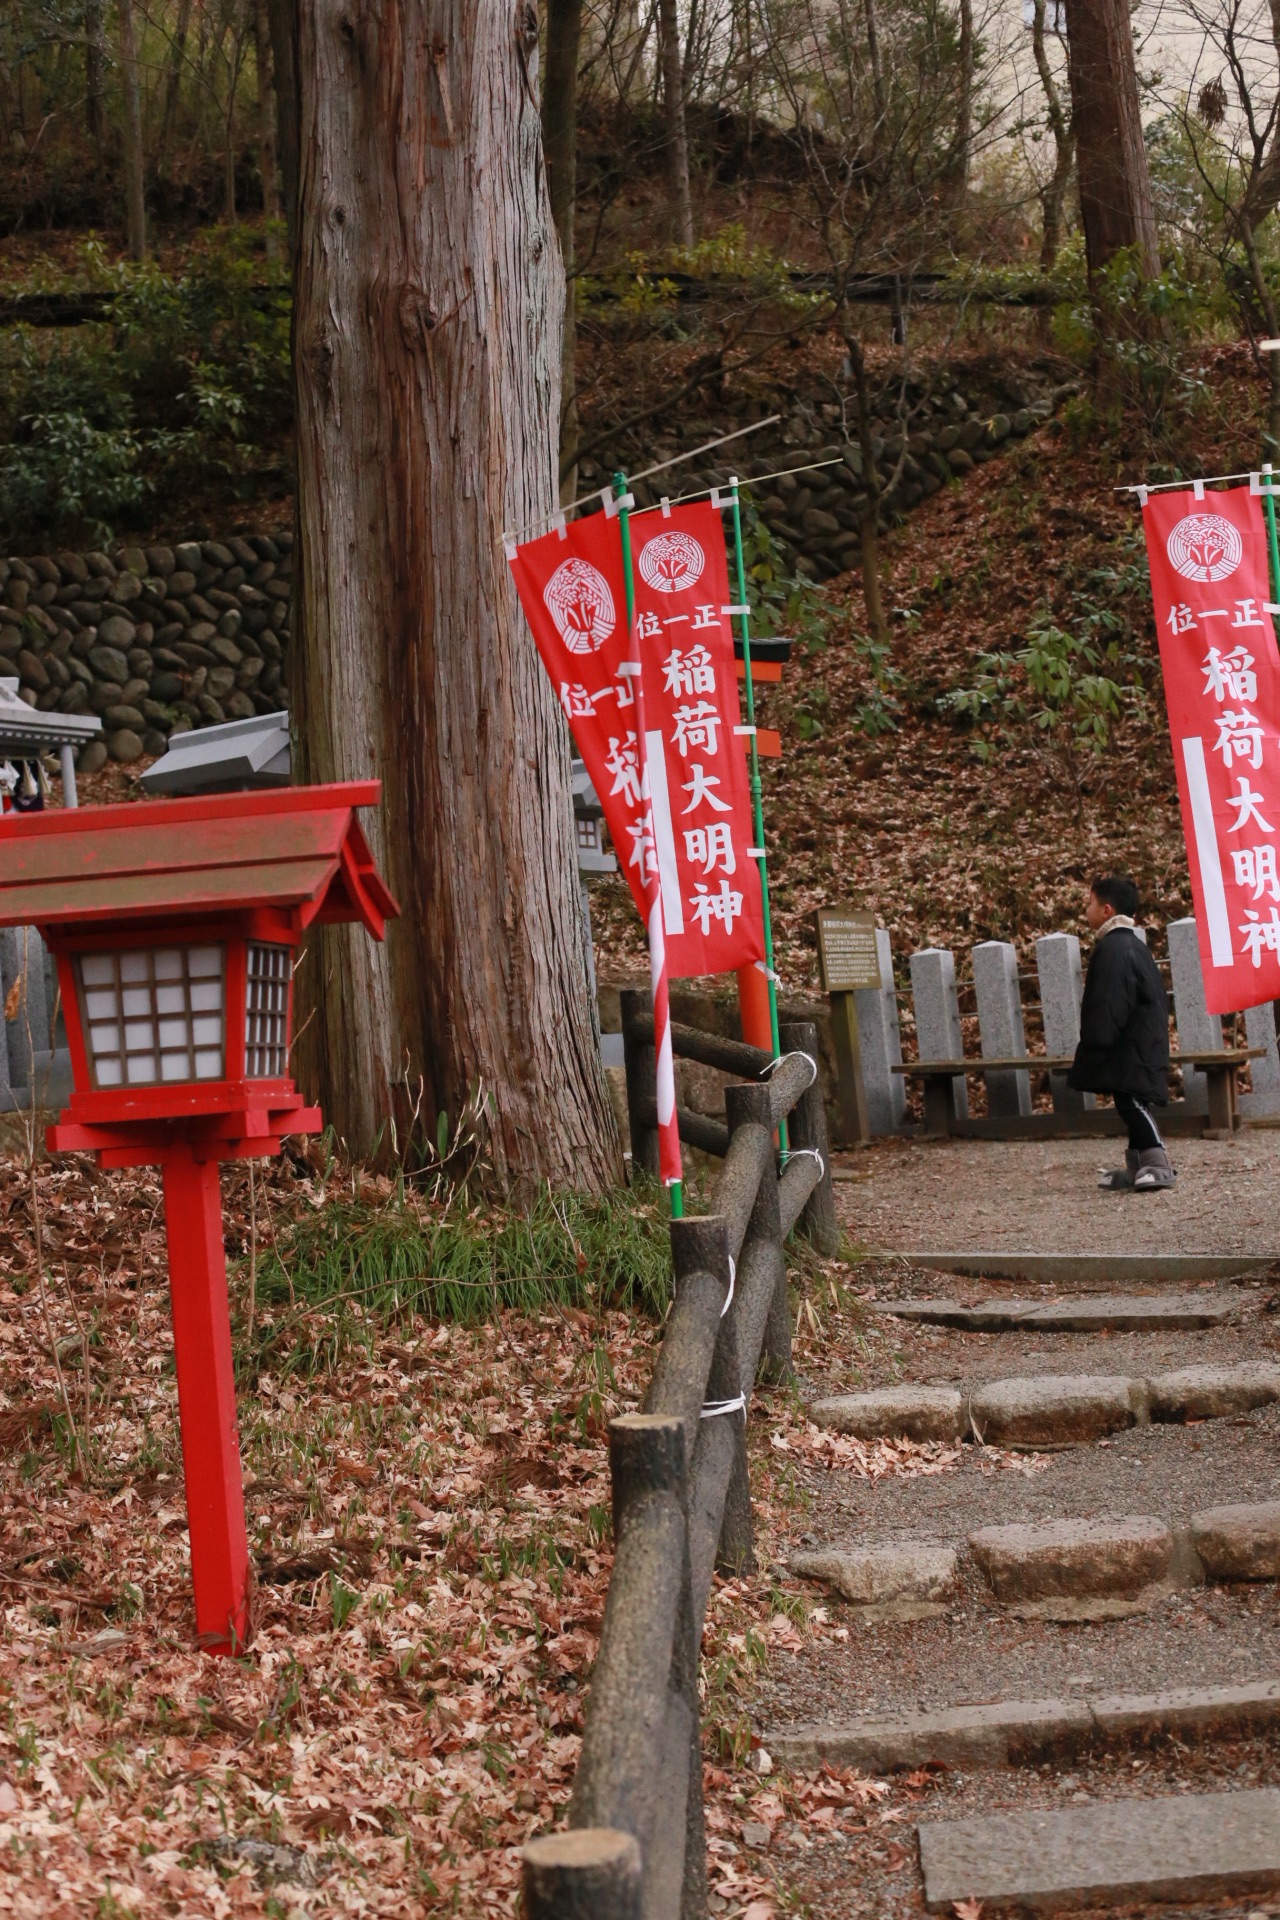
<point>560,146</point>
<point>1116,208</point>
<point>134,160</point>
<point>427,309</point>
<point>673,108</point>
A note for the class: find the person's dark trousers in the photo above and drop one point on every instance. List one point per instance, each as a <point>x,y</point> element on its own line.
<point>1144,1134</point>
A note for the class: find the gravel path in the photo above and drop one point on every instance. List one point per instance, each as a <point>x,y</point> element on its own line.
<point>1042,1196</point>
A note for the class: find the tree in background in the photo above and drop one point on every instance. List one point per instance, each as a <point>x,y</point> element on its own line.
<point>1117,211</point>
<point>428,298</point>
<point>1053,191</point>
<point>135,166</point>
<point>881,100</point>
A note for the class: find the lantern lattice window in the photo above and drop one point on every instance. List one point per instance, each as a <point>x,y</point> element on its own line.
<point>266,1016</point>
<point>153,1014</point>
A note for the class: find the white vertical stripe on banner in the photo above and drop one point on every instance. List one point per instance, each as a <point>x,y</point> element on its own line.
<point>668,873</point>
<point>1215,899</point>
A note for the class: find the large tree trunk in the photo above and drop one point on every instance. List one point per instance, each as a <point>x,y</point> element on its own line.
<point>1116,207</point>
<point>427,317</point>
<point>673,109</point>
<point>134,159</point>
<point>560,145</point>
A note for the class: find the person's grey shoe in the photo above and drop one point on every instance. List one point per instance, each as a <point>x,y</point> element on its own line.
<point>1155,1170</point>
<point>1121,1178</point>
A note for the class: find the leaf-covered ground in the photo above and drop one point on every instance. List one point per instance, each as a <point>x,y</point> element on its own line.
<point>428,1508</point>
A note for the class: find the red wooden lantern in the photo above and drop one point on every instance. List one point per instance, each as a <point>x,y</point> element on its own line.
<point>175,926</point>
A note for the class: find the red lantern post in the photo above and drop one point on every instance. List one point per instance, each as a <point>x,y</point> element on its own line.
<point>176,926</point>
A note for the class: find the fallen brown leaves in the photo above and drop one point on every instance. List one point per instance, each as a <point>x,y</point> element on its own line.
<point>430,1525</point>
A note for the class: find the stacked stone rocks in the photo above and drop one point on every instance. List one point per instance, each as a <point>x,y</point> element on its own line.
<point>156,640</point>
<point>816,515</point>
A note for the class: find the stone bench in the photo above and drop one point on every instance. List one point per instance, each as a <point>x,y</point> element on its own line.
<point>1219,1068</point>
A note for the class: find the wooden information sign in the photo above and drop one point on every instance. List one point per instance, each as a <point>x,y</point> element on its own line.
<point>849,961</point>
<point>847,950</point>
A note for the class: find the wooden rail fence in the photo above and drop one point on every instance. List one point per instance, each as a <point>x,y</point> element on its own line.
<point>635,1848</point>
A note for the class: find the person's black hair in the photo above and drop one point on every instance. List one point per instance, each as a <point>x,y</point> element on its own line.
<point>1118,891</point>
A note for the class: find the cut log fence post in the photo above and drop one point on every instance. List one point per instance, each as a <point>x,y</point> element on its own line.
<point>636,1849</point>
<point>807,1133</point>
<point>640,1063</point>
<point>750,1106</point>
<point>592,1873</point>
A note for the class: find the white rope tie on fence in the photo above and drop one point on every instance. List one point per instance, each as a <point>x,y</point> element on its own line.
<point>808,1153</point>
<point>782,1059</point>
<point>714,1408</point>
<point>728,1299</point>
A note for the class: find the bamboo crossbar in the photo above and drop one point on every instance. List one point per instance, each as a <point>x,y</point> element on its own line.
<point>708,1049</point>
<point>696,1129</point>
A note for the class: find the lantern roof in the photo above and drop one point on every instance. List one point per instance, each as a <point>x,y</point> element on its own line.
<point>297,849</point>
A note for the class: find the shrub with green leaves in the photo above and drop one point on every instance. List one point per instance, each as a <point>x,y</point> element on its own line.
<point>182,390</point>
<point>1060,694</point>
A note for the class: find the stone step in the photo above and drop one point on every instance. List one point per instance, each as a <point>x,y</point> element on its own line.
<point>1092,1270</point>
<point>1066,1569</point>
<point>1012,1733</point>
<point>1101,1567</point>
<point>1116,1852</point>
<point>908,1581</point>
<point>1047,1410</point>
<point>1107,1313</point>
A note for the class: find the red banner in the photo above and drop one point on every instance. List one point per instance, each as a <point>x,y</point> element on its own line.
<point>1211,587</point>
<point>695,835</point>
<point>573,592</point>
<point>702,817</point>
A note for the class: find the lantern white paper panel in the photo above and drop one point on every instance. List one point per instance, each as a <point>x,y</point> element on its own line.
<point>266,1014</point>
<point>154,1015</point>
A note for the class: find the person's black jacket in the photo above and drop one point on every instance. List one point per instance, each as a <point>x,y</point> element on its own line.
<point>1124,1022</point>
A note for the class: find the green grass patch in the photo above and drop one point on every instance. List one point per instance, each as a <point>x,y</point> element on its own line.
<point>341,1271</point>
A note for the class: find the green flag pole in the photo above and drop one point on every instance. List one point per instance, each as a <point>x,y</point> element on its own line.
<point>757,797</point>
<point>1269,508</point>
<point>676,1189</point>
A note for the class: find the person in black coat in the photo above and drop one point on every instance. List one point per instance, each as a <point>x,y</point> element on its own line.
<point>1124,1033</point>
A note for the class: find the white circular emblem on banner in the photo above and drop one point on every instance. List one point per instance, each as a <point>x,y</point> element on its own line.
<point>1204,546</point>
<point>670,562</point>
<point>578,599</point>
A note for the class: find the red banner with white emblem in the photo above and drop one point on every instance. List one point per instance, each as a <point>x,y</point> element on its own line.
<point>693,838</point>
<point>1211,587</point>
<point>697,754</point>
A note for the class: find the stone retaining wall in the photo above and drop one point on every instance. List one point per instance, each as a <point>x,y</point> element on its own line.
<point>815,515</point>
<point>158,640</point>
<point>155,640</point>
